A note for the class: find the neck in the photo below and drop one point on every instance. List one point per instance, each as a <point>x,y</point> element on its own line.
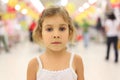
<point>55,53</point>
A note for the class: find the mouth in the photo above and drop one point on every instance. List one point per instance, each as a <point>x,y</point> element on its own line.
<point>56,42</point>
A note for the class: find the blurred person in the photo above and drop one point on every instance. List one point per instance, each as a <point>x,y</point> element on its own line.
<point>54,31</point>
<point>85,28</point>
<point>31,28</point>
<point>3,35</point>
<point>112,27</point>
<point>100,30</point>
<point>98,25</point>
<point>78,35</point>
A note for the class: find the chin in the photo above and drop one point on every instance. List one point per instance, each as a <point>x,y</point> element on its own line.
<point>57,49</point>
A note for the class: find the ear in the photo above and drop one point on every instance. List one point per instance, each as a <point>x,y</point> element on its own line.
<point>70,35</point>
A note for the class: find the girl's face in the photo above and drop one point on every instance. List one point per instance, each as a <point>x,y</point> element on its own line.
<point>55,33</point>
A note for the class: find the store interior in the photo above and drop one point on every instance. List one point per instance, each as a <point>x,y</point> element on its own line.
<point>21,16</point>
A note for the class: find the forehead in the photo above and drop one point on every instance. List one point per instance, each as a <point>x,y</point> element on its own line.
<point>56,19</point>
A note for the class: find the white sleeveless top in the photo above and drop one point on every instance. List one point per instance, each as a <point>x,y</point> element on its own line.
<point>113,26</point>
<point>66,74</point>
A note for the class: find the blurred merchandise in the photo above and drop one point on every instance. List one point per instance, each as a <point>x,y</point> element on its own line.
<point>31,28</point>
<point>119,44</point>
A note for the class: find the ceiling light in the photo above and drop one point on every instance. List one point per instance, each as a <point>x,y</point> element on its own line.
<point>24,11</point>
<point>64,2</point>
<point>86,5</point>
<point>81,9</point>
<point>92,1</point>
<point>38,5</point>
<point>5,1</point>
<point>17,7</point>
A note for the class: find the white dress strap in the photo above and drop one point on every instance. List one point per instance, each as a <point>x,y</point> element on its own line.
<point>39,62</point>
<point>71,59</point>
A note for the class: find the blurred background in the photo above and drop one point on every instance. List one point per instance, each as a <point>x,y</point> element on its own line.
<point>19,18</point>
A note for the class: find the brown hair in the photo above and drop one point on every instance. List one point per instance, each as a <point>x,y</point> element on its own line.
<point>51,11</point>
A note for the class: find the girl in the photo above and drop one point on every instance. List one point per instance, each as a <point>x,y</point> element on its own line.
<point>112,28</point>
<point>54,30</point>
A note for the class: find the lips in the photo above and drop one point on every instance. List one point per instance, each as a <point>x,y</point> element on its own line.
<point>56,42</point>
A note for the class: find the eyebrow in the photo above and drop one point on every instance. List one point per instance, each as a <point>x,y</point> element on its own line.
<point>64,24</point>
<point>50,25</point>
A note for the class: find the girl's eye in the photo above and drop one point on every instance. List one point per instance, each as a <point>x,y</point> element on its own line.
<point>62,28</point>
<point>49,29</point>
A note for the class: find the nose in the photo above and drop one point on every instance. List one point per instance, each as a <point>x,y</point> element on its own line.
<point>56,36</point>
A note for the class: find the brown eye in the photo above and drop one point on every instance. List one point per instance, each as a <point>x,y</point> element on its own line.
<point>62,28</point>
<point>49,29</point>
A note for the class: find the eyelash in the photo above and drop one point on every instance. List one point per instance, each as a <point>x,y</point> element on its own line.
<point>49,29</point>
<point>60,29</point>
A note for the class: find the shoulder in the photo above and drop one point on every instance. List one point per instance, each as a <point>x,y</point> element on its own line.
<point>77,59</point>
<point>117,22</point>
<point>33,61</point>
<point>79,68</point>
<point>107,21</point>
<point>33,65</point>
<point>32,69</point>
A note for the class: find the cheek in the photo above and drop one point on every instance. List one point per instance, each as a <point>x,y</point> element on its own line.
<point>45,37</point>
<point>65,36</point>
